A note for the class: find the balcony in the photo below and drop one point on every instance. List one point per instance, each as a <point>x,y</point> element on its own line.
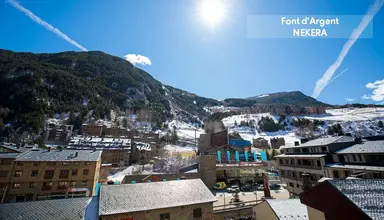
<point>48,177</point>
<point>64,176</point>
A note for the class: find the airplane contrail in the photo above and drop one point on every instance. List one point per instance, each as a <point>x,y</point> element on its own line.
<point>45,24</point>
<point>323,81</point>
<point>335,78</point>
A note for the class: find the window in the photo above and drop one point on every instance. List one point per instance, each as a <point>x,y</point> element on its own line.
<point>34,173</point>
<point>49,174</point>
<point>297,186</point>
<point>18,174</point>
<point>73,183</point>
<point>36,163</point>
<point>16,185</point>
<point>32,185</point>
<point>335,174</point>
<point>51,163</point>
<point>346,173</point>
<point>197,213</point>
<point>354,157</point>
<point>292,162</point>
<point>3,173</point>
<point>291,185</point>
<point>165,216</point>
<point>318,163</point>
<point>281,161</point>
<point>85,172</point>
<point>20,163</point>
<point>293,174</point>
<point>74,172</point>
<point>87,163</point>
<point>62,185</point>
<point>84,183</point>
<point>64,173</point>
<point>299,162</point>
<point>282,172</point>
<point>47,186</point>
<point>311,177</point>
<point>324,149</point>
<point>360,158</point>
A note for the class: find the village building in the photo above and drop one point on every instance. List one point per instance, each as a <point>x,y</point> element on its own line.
<point>189,199</point>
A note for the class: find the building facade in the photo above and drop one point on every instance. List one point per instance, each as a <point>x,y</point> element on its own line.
<point>178,199</point>
<point>363,160</point>
<point>40,174</point>
<point>310,157</point>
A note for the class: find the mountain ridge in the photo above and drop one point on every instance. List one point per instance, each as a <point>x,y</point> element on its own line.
<point>90,84</point>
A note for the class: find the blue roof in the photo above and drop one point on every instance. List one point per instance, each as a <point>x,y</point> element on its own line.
<point>239,143</point>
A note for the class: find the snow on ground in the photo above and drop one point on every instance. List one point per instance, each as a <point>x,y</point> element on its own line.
<point>176,148</point>
<point>249,133</point>
<point>134,169</point>
<point>351,114</point>
<point>357,121</point>
<point>185,131</point>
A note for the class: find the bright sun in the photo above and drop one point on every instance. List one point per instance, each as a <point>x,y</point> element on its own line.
<point>212,12</point>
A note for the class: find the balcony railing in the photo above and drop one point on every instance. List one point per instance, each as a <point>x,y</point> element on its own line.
<point>48,177</point>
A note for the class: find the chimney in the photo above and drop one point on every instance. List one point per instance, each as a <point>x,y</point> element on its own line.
<point>306,182</point>
<point>76,154</point>
<point>49,149</point>
<point>94,149</point>
<point>358,140</point>
<point>297,143</point>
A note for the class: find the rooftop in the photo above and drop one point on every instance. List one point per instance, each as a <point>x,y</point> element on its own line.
<point>60,209</point>
<point>126,198</point>
<point>356,167</point>
<point>290,209</point>
<point>367,194</point>
<point>301,156</point>
<point>364,148</point>
<point>9,155</point>
<point>59,155</point>
<point>324,141</point>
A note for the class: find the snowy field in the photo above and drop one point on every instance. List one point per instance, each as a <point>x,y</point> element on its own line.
<point>351,114</point>
<point>185,132</point>
<point>358,121</point>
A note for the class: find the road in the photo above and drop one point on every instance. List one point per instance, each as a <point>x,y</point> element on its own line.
<point>249,196</point>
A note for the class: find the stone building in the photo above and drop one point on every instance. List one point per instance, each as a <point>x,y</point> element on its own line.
<point>40,174</point>
<point>179,199</point>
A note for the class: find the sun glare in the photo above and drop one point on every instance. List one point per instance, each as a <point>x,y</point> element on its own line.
<point>212,12</point>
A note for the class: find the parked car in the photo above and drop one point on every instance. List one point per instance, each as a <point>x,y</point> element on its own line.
<point>247,188</point>
<point>220,185</point>
<point>275,187</point>
<point>233,189</point>
<point>260,187</point>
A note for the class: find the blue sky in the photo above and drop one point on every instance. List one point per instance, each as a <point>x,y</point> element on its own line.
<point>218,63</point>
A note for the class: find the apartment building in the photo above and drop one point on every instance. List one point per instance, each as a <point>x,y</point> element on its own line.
<point>363,160</point>
<point>40,174</point>
<point>178,199</point>
<point>310,157</point>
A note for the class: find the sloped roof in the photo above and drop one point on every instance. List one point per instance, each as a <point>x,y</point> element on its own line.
<point>355,167</point>
<point>60,209</point>
<point>126,198</point>
<point>291,209</point>
<point>9,155</point>
<point>301,156</point>
<point>324,141</point>
<point>59,155</point>
<point>367,194</point>
<point>363,148</point>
